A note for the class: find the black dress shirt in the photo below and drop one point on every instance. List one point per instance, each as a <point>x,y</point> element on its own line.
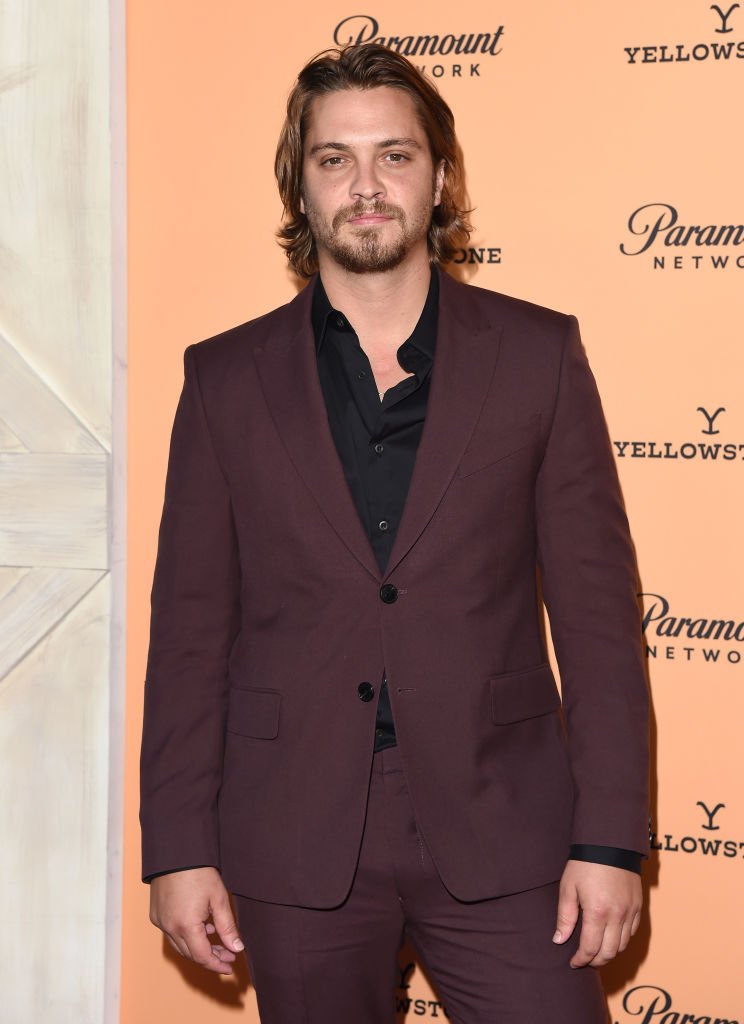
<point>377,440</point>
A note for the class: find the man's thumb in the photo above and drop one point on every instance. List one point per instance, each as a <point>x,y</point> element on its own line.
<point>224,922</point>
<point>568,915</point>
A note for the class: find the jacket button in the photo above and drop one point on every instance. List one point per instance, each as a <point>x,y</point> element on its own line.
<point>366,692</point>
<point>388,593</point>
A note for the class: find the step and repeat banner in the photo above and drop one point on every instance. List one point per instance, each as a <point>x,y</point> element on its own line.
<point>604,161</point>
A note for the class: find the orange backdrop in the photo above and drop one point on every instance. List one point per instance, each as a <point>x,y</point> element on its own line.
<point>604,162</point>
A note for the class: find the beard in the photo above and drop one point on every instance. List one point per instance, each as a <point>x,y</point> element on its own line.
<point>366,252</point>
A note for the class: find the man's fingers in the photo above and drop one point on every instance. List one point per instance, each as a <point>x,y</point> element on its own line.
<point>179,942</point>
<point>568,915</point>
<point>629,928</point>
<point>181,949</point>
<point>610,899</point>
<point>590,942</point>
<point>610,943</point>
<point>181,904</point>
<point>603,936</point>
<point>201,951</point>
<point>625,935</point>
<point>224,922</point>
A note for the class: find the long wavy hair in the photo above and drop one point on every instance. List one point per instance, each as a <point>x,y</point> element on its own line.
<point>369,66</point>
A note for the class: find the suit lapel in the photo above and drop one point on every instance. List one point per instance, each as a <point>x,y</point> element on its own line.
<point>288,369</point>
<point>466,353</point>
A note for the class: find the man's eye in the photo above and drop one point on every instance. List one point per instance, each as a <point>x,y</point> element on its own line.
<point>397,158</point>
<point>333,160</point>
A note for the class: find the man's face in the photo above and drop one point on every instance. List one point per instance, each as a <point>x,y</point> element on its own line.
<point>369,184</point>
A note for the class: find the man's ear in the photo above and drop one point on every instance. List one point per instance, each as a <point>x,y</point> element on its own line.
<point>302,204</point>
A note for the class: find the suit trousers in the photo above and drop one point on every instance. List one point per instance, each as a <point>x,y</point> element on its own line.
<point>491,961</point>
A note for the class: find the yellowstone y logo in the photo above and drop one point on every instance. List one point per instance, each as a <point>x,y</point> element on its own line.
<point>710,815</point>
<point>694,840</point>
<point>711,418</point>
<point>451,54</point>
<point>650,1004</point>
<point>724,16</point>
<point>724,21</point>
<point>710,449</point>
<point>672,242</point>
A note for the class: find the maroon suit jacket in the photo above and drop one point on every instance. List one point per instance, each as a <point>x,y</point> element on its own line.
<point>267,615</point>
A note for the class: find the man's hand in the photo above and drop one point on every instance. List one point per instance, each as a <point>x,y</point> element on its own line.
<point>610,900</point>
<point>181,904</point>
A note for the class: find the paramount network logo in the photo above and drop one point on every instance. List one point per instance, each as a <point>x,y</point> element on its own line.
<point>465,51</point>
<point>650,1004</point>
<point>710,449</point>
<point>721,24</point>
<point>656,229</point>
<point>700,635</point>
<point>709,839</point>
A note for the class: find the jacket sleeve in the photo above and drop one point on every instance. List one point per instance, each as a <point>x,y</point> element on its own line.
<point>195,617</point>
<point>590,586</point>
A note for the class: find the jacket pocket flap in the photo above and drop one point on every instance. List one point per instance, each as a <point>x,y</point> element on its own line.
<point>254,713</point>
<point>523,694</point>
<point>485,451</point>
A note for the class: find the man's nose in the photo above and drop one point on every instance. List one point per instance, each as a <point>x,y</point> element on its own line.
<point>366,183</point>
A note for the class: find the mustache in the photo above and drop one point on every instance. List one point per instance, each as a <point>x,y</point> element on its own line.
<point>360,209</point>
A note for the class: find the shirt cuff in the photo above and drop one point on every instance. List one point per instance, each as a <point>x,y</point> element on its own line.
<point>172,871</point>
<point>613,856</point>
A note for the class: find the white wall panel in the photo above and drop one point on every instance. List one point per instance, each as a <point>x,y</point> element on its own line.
<point>56,344</point>
<point>55,263</point>
<point>53,790</point>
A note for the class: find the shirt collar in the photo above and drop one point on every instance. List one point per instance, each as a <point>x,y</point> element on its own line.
<point>423,337</point>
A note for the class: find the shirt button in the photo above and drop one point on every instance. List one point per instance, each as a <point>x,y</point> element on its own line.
<point>366,692</point>
<point>340,322</point>
<point>362,375</point>
<point>383,524</point>
<point>388,593</point>
<point>379,448</point>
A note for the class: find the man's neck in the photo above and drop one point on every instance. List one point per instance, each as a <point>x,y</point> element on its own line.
<point>382,308</point>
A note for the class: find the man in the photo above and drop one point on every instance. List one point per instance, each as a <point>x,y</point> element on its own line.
<point>350,721</point>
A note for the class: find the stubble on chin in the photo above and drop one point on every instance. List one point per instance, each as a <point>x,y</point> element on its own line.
<point>365,251</point>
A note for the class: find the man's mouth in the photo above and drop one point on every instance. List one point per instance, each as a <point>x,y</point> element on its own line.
<point>361,219</point>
